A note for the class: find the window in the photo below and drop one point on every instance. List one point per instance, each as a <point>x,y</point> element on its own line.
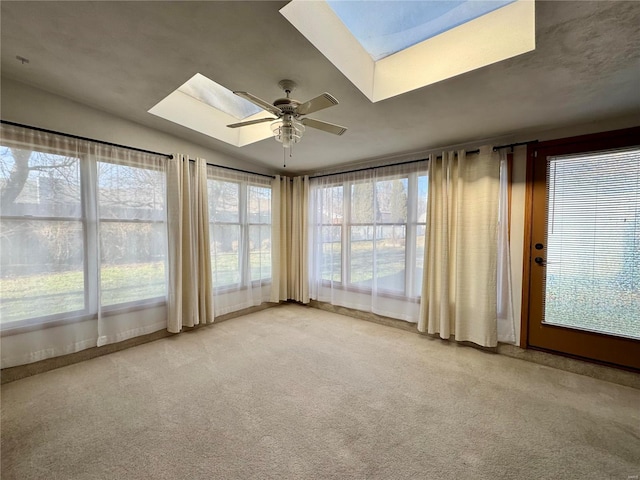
<point>240,229</point>
<point>81,229</point>
<point>42,256</point>
<point>370,233</point>
<point>131,201</point>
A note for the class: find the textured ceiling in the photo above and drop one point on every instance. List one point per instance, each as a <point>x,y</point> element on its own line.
<point>123,57</point>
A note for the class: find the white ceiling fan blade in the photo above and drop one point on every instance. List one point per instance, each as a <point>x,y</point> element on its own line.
<point>325,100</point>
<point>251,122</point>
<point>327,127</point>
<point>259,102</point>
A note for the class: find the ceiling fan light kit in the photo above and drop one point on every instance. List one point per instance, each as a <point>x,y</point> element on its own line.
<point>289,127</point>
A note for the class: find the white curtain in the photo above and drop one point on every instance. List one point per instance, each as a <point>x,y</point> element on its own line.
<point>83,244</point>
<point>459,291</point>
<point>505,316</point>
<point>367,239</point>
<point>240,222</point>
<point>190,299</point>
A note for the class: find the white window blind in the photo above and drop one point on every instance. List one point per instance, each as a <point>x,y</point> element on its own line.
<point>593,242</point>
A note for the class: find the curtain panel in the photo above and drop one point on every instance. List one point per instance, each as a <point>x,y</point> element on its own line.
<point>84,247</point>
<point>241,237</point>
<point>459,290</point>
<point>190,299</point>
<point>367,239</point>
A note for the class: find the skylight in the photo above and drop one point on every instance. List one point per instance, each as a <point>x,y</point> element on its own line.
<point>207,107</point>
<point>387,27</point>
<point>387,48</point>
<point>215,95</point>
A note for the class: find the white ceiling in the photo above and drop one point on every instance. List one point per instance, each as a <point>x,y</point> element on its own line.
<point>123,57</point>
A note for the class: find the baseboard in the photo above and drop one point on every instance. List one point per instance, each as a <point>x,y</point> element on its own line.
<point>581,367</point>
<point>22,371</point>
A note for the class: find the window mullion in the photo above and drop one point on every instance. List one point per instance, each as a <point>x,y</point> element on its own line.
<point>244,235</point>
<point>89,193</point>
<point>346,233</point>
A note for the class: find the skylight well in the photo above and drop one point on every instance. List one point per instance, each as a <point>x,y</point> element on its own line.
<point>207,107</point>
<point>387,48</point>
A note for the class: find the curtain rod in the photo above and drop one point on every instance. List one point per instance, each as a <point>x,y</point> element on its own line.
<point>86,139</point>
<point>499,147</point>
<point>77,137</point>
<point>236,169</point>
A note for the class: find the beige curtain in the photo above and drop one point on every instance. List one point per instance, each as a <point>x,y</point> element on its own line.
<point>299,239</point>
<point>459,293</point>
<point>190,298</point>
<point>290,272</point>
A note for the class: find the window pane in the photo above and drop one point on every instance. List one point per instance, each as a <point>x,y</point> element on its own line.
<point>331,200</point>
<point>223,201</point>
<point>392,200</point>
<point>331,260</point>
<point>126,192</point>
<point>39,184</point>
<point>132,261</point>
<point>259,204</point>
<point>422,198</point>
<point>260,252</point>
<point>361,256</point>
<point>41,268</point>
<point>362,203</point>
<point>390,253</point>
<point>225,259</point>
<point>593,242</point>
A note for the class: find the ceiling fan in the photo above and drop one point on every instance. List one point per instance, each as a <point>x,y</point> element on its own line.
<point>289,127</point>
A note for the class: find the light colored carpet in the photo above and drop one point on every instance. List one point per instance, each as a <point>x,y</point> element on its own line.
<point>298,393</point>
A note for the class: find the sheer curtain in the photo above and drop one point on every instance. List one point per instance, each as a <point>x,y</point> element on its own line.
<point>459,291</point>
<point>367,239</point>
<point>190,299</point>
<point>505,316</point>
<point>83,244</point>
<point>240,222</point>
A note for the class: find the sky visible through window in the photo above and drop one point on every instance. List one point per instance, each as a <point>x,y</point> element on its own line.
<point>387,27</point>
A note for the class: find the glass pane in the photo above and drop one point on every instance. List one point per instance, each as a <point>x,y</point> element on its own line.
<point>225,259</point>
<point>39,184</point>
<point>422,198</point>
<point>362,200</point>
<point>331,260</point>
<point>331,200</point>
<point>126,192</point>
<point>419,266</point>
<point>41,268</point>
<point>223,201</point>
<point>593,243</point>
<point>260,252</point>
<point>392,200</point>
<point>361,256</point>
<point>389,257</point>
<point>132,261</point>
<point>259,204</point>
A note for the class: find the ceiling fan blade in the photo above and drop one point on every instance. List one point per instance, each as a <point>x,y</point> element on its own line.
<point>327,127</point>
<point>251,122</point>
<point>325,100</point>
<point>259,102</point>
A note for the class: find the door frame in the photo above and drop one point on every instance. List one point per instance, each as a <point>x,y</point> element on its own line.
<point>535,154</point>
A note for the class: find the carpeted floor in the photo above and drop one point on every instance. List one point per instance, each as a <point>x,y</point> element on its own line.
<point>298,393</point>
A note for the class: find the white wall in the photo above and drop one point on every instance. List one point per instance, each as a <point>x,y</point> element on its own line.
<point>28,105</point>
